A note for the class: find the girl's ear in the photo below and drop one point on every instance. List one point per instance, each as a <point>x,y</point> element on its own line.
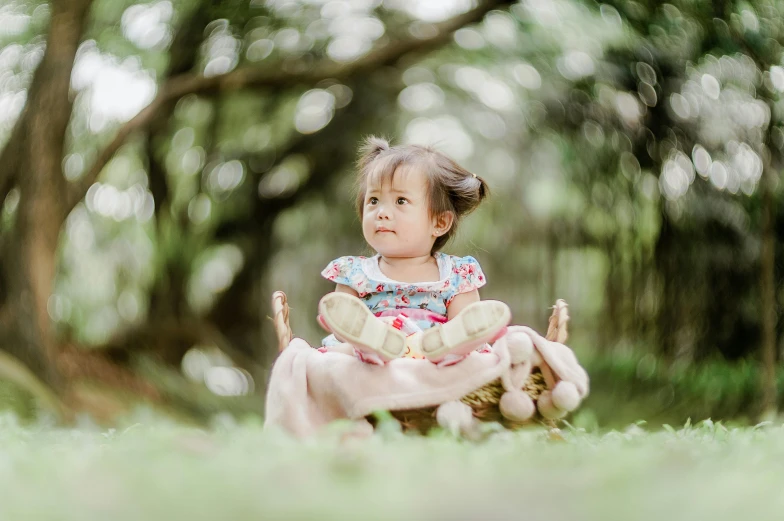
<point>443,223</point>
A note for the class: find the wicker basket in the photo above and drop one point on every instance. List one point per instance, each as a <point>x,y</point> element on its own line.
<point>484,401</point>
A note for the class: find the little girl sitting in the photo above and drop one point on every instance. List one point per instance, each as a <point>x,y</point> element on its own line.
<point>410,199</point>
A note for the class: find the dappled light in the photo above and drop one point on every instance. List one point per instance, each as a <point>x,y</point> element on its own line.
<point>15,18</point>
<point>435,11</point>
<point>108,201</point>
<point>677,175</point>
<point>226,176</point>
<point>221,49</point>
<point>213,368</point>
<point>214,273</point>
<point>285,178</point>
<point>421,97</point>
<point>116,91</point>
<point>314,111</point>
<point>228,381</point>
<point>445,131</point>
<point>147,26</point>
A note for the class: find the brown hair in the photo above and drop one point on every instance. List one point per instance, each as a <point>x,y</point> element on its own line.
<point>451,188</point>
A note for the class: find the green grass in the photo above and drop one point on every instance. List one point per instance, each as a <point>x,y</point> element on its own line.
<point>161,471</point>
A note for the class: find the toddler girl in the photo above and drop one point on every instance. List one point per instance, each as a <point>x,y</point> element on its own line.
<point>410,199</point>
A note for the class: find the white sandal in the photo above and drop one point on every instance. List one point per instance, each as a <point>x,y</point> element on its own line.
<point>351,321</point>
<point>477,324</point>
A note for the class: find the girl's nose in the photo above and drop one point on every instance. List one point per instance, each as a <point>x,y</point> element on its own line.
<point>382,212</point>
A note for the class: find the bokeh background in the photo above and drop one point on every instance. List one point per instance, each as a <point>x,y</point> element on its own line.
<point>167,165</point>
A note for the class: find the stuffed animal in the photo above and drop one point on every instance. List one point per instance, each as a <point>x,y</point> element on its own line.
<point>566,381</point>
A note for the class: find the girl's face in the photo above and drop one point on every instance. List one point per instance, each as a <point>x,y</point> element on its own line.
<point>395,219</point>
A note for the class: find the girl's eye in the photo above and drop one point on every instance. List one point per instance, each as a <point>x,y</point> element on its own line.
<point>372,200</point>
<point>402,200</point>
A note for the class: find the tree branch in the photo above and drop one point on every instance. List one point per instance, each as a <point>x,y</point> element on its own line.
<point>13,370</point>
<point>253,77</point>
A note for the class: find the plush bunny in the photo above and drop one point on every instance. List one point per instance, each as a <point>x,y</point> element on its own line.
<point>567,382</point>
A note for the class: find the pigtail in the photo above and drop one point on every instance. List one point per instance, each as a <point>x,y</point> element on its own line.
<point>466,190</point>
<point>482,191</point>
<point>370,150</point>
<point>458,191</point>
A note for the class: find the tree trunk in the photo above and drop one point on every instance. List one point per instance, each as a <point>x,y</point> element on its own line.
<point>768,295</point>
<point>668,265</point>
<point>29,260</point>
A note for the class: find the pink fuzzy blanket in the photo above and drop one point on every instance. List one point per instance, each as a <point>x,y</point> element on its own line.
<point>308,388</point>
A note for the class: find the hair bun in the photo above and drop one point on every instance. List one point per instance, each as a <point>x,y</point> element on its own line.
<point>370,149</point>
<point>376,143</point>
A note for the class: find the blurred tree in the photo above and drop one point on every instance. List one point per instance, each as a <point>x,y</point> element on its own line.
<point>32,160</point>
<point>711,64</point>
<point>34,156</point>
<point>633,149</point>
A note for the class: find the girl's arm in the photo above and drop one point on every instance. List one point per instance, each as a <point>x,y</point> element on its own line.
<point>459,302</point>
<point>345,289</point>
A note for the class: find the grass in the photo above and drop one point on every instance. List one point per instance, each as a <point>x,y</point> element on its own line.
<point>154,470</point>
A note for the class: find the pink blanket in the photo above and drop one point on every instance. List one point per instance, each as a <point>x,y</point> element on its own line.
<point>309,389</point>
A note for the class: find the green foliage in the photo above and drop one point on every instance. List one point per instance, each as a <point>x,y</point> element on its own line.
<point>193,401</point>
<point>15,401</point>
<point>626,387</point>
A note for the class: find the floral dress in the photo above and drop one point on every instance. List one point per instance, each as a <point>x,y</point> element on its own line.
<point>424,302</point>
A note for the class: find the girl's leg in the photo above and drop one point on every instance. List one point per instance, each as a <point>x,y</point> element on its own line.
<point>351,321</point>
<point>478,324</point>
